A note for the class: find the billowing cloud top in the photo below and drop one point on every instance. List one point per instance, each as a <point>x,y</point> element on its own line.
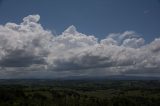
<point>28,49</point>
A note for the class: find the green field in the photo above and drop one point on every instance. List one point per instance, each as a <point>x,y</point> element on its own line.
<point>79,93</point>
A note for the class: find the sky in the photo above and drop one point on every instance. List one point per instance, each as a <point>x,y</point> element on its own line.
<point>61,38</point>
<point>97,17</point>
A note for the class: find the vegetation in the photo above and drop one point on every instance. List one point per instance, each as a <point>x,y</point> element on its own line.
<point>79,93</point>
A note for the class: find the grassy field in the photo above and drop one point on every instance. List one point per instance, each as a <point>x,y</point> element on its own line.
<point>79,93</point>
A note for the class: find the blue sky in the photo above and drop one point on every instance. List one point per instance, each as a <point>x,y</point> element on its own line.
<point>97,17</point>
<point>61,38</point>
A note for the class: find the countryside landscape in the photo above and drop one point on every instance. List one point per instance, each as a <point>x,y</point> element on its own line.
<point>79,52</point>
<point>88,92</point>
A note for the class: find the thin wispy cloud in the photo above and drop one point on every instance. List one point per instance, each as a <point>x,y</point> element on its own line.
<point>146,11</point>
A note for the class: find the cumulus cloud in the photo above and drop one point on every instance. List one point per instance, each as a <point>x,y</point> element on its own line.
<point>29,48</point>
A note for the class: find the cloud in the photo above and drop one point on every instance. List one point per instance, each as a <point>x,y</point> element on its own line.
<point>29,48</point>
<point>19,58</point>
<point>146,11</point>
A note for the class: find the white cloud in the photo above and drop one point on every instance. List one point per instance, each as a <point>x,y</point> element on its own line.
<point>29,48</point>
